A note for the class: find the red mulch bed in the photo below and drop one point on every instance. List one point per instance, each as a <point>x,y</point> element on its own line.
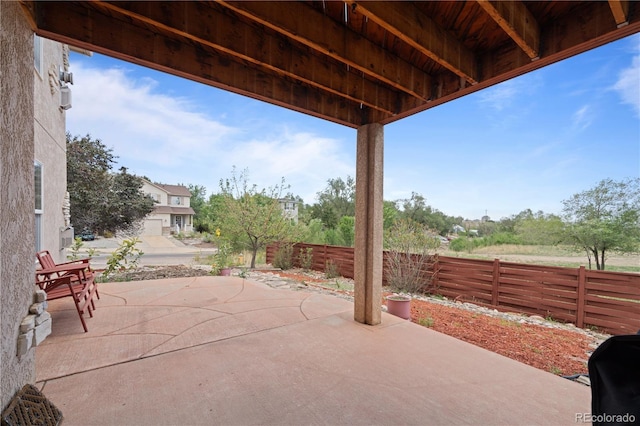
<point>561,352</point>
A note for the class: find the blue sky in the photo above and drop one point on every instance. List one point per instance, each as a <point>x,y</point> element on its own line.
<point>530,142</point>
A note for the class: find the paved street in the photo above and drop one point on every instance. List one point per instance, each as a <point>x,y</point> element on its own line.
<point>157,250</point>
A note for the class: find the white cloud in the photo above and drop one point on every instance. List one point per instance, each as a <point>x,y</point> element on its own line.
<point>582,118</point>
<point>305,160</point>
<point>138,122</point>
<point>628,85</point>
<point>501,96</point>
<point>170,140</point>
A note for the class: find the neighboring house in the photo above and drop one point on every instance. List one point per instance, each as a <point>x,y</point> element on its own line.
<point>289,209</point>
<point>172,212</point>
<point>457,229</point>
<point>52,98</point>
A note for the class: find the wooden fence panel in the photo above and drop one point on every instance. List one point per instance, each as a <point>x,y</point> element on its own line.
<point>538,290</point>
<point>607,300</point>
<point>612,301</point>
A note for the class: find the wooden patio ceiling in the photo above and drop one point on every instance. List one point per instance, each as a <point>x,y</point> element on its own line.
<point>351,62</point>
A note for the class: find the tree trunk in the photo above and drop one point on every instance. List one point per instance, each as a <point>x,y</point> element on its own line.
<point>602,260</point>
<point>595,255</point>
<point>253,258</point>
<point>254,251</point>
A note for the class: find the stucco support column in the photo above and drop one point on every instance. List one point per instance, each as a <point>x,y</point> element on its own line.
<point>16,196</point>
<point>369,203</point>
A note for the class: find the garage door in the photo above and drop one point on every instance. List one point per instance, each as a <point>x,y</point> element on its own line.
<point>152,227</point>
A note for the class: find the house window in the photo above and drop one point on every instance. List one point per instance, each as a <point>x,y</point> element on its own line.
<point>38,204</point>
<point>176,201</point>
<point>37,54</point>
<point>155,197</point>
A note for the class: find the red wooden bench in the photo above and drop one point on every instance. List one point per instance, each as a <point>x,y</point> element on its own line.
<point>46,262</point>
<point>69,279</point>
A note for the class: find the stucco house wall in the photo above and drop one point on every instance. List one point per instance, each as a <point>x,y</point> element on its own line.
<point>50,144</point>
<point>16,195</point>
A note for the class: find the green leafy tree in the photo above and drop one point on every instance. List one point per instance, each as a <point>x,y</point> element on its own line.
<point>390,213</point>
<point>253,218</point>
<point>347,229</point>
<point>304,212</point>
<point>198,204</point>
<point>416,209</point>
<point>540,229</point>
<point>89,162</point>
<point>101,200</point>
<point>605,218</point>
<point>326,214</point>
<point>313,232</point>
<point>336,200</point>
<point>212,210</point>
<point>126,204</point>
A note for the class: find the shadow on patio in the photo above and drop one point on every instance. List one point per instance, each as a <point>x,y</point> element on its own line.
<point>221,350</point>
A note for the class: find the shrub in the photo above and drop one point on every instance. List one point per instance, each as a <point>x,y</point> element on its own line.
<point>410,264</point>
<point>222,257</point>
<point>124,258</point>
<point>74,250</point>
<point>208,238</point>
<point>333,237</point>
<point>459,244</point>
<point>283,257</point>
<point>426,322</point>
<point>467,244</point>
<point>305,257</point>
<point>502,238</point>
<point>331,269</point>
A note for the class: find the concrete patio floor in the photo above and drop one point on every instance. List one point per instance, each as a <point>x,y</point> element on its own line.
<point>223,350</point>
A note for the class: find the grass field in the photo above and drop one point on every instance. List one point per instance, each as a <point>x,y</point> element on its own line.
<point>549,255</point>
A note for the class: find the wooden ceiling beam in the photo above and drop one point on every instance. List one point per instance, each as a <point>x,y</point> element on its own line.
<point>310,27</point>
<point>573,34</point>
<point>419,31</point>
<point>620,10</point>
<point>516,20</point>
<point>207,26</point>
<point>74,23</point>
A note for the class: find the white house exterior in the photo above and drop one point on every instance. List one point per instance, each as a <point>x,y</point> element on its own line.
<point>172,212</point>
<point>53,231</point>
<point>289,209</point>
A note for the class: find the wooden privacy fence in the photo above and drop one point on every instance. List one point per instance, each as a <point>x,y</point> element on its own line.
<point>609,301</point>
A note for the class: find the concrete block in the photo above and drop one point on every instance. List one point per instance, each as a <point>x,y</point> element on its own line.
<point>28,323</point>
<point>41,332</point>
<point>39,296</point>
<point>25,341</point>
<point>43,317</point>
<point>37,308</point>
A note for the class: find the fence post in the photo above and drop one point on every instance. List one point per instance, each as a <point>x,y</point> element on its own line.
<point>496,281</point>
<point>324,258</point>
<point>436,272</point>
<point>582,286</point>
